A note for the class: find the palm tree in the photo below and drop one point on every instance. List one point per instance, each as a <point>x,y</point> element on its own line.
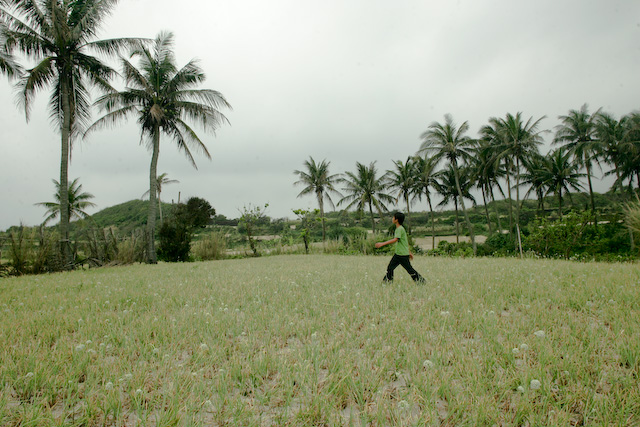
<point>162,97</point>
<point>78,202</point>
<point>518,141</point>
<point>402,180</point>
<point>161,181</point>
<point>318,180</point>
<point>425,180</point>
<point>578,133</point>
<point>366,188</point>
<point>611,132</point>
<point>535,176</point>
<point>447,185</point>
<point>450,142</point>
<point>492,166</point>
<point>631,149</point>
<point>8,64</point>
<point>59,36</point>
<point>561,174</point>
<point>482,166</point>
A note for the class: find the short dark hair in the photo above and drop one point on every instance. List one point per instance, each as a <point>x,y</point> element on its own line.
<point>400,217</point>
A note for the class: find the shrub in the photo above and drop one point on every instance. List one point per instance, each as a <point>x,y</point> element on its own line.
<point>462,249</point>
<point>101,246</point>
<point>575,236</point>
<point>132,249</point>
<point>33,251</point>
<point>175,242</point>
<point>212,246</point>
<point>497,244</point>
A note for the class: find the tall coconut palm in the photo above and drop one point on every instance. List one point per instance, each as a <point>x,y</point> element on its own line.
<point>577,132</point>
<point>162,97</point>
<point>561,174</point>
<point>425,180</point>
<point>59,36</point>
<point>401,180</point>
<point>631,149</point>
<point>492,166</point>
<point>317,180</point>
<point>78,202</point>
<point>482,167</point>
<point>518,141</point>
<point>366,188</point>
<point>162,180</point>
<point>611,132</point>
<point>492,138</point>
<point>535,176</point>
<point>447,185</point>
<point>448,141</point>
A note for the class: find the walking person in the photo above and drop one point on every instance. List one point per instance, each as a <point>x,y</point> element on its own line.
<point>402,255</point>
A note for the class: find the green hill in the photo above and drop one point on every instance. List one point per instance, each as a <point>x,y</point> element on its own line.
<point>125,217</point>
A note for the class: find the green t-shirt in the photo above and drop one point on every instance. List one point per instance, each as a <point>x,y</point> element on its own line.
<point>402,245</point>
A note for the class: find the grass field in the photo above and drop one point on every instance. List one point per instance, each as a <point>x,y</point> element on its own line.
<point>319,340</point>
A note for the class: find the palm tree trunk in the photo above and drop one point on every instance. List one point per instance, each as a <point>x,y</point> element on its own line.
<point>518,192</point>
<point>65,247</point>
<point>455,203</point>
<point>464,210</point>
<point>159,206</point>
<point>433,226</point>
<point>560,201</point>
<point>321,204</point>
<point>406,198</point>
<point>619,179</point>
<point>153,183</point>
<point>495,205</point>
<point>486,208</point>
<point>510,204</point>
<point>593,203</point>
<point>373,222</point>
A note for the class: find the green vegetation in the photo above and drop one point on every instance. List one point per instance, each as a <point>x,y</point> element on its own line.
<point>318,340</point>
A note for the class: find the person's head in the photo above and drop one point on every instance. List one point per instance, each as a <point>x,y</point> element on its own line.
<point>399,216</point>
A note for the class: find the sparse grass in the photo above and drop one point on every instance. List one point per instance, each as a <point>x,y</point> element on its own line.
<point>319,340</point>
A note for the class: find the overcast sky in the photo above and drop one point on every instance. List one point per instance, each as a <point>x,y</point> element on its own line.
<point>343,80</point>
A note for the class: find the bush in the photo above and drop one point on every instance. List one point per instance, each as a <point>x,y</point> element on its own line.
<point>576,236</point>
<point>213,246</point>
<point>175,242</point>
<point>33,251</point>
<point>497,244</point>
<point>462,249</point>
<point>132,249</point>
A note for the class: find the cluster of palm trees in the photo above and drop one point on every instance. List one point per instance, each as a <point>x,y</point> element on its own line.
<point>59,36</point>
<point>504,159</point>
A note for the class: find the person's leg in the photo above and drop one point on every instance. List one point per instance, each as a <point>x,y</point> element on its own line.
<point>392,266</point>
<point>406,264</point>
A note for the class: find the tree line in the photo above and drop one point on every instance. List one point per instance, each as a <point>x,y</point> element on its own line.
<point>504,159</point>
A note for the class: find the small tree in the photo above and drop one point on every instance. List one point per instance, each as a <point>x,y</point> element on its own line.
<point>175,241</point>
<point>176,231</point>
<point>250,216</point>
<point>307,218</point>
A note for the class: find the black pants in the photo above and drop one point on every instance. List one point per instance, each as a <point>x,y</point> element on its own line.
<point>404,261</point>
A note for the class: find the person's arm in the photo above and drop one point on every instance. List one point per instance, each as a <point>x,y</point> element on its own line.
<point>388,242</point>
